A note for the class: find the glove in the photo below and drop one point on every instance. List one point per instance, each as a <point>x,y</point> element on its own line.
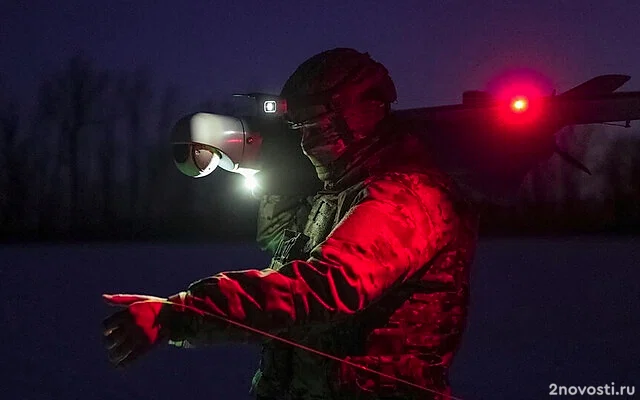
<point>132,332</point>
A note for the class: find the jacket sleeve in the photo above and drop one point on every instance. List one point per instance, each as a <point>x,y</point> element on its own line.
<point>400,222</point>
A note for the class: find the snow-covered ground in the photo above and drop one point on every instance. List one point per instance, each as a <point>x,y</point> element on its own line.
<point>562,310</point>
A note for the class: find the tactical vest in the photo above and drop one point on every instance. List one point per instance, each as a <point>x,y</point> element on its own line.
<point>411,333</point>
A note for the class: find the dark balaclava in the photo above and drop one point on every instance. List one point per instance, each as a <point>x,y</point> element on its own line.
<point>337,100</point>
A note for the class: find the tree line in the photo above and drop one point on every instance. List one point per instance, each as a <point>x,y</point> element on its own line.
<point>91,159</point>
<point>557,197</point>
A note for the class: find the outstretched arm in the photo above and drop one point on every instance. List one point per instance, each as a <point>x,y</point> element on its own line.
<point>400,223</point>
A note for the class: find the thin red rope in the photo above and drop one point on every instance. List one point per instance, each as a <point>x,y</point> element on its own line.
<point>306,348</point>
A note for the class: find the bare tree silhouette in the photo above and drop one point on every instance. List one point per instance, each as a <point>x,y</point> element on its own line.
<point>623,178</point>
<point>107,154</point>
<point>71,104</point>
<point>137,102</point>
<point>14,153</point>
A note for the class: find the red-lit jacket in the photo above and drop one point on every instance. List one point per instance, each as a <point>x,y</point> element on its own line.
<point>378,276</point>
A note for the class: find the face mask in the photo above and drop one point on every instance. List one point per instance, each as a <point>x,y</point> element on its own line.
<point>324,141</point>
<point>326,138</point>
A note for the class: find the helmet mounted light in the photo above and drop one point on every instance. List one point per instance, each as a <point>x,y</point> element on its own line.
<point>302,107</point>
<point>297,111</point>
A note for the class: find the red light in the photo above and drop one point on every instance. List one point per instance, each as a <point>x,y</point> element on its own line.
<point>519,95</point>
<point>520,110</point>
<point>519,104</point>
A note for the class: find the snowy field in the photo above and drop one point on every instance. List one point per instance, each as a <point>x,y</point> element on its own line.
<point>562,310</point>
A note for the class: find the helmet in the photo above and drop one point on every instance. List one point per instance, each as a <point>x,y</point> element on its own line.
<point>337,98</point>
<point>335,80</point>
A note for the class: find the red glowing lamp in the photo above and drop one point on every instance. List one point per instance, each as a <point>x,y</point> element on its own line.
<point>519,104</point>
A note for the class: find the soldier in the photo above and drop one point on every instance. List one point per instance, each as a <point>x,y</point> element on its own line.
<point>373,270</point>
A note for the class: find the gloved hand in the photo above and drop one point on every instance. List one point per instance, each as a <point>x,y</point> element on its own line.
<point>133,331</point>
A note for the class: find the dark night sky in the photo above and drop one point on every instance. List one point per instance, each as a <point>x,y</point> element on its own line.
<point>433,49</point>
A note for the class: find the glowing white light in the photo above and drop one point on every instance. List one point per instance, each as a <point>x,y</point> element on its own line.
<point>250,182</point>
<point>270,106</point>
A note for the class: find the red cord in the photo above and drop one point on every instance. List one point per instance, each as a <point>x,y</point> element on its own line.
<point>303,347</point>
